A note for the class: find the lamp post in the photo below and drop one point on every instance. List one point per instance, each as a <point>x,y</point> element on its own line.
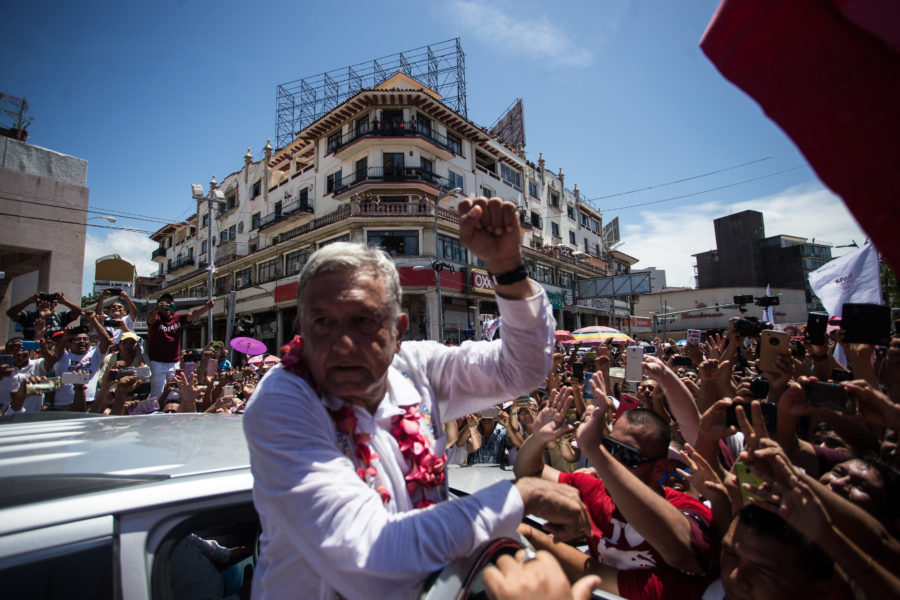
<point>215,196</point>
<point>436,264</point>
<point>104,218</point>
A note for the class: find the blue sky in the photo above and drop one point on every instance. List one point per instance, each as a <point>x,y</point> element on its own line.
<point>156,96</point>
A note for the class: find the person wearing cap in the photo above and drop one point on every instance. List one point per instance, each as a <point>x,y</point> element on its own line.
<point>164,339</point>
<point>128,355</point>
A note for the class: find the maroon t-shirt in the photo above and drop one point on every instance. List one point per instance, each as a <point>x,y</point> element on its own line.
<point>642,571</point>
<point>164,337</point>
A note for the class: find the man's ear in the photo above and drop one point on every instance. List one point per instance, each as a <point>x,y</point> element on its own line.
<point>297,326</point>
<point>660,468</point>
<point>402,324</point>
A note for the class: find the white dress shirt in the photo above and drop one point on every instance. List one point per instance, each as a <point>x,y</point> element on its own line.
<point>324,529</point>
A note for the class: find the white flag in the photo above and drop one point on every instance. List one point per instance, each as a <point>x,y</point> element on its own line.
<point>769,311</point>
<point>490,328</point>
<point>854,277</point>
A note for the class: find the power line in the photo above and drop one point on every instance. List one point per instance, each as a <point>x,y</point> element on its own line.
<point>715,189</point>
<point>716,172</point>
<point>76,223</point>
<point>116,213</point>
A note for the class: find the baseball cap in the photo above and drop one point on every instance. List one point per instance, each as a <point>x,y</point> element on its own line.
<point>130,335</point>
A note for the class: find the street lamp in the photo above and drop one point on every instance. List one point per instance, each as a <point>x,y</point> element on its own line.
<point>215,196</point>
<point>436,264</point>
<point>105,218</point>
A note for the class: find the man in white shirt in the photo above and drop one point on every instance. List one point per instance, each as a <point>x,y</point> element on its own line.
<point>11,376</point>
<point>74,352</point>
<point>345,435</point>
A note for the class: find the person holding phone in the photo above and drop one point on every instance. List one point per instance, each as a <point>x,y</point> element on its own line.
<point>21,368</point>
<point>164,339</point>
<point>74,352</point>
<point>45,304</point>
<point>122,312</point>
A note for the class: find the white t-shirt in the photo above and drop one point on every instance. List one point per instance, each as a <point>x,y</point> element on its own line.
<point>77,362</point>
<point>34,368</point>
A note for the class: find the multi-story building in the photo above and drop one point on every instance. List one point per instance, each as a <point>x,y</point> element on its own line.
<point>377,169</point>
<point>745,257</point>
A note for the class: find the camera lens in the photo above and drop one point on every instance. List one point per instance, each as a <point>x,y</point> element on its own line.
<point>773,341</point>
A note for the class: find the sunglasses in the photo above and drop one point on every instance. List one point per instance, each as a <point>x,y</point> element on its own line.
<point>625,454</point>
<point>649,388</point>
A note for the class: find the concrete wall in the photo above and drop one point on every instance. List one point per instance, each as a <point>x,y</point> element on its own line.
<point>43,204</point>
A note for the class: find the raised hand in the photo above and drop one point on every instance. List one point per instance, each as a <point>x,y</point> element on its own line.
<point>551,421</point>
<point>490,229</point>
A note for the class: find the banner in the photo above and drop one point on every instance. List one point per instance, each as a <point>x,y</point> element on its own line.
<point>854,277</point>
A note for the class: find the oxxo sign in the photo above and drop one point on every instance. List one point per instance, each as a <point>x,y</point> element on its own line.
<point>481,282</point>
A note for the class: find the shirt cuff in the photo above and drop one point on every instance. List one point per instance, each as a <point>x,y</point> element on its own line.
<point>525,310</point>
<point>511,508</point>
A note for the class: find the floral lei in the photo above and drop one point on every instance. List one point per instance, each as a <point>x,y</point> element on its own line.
<point>426,470</point>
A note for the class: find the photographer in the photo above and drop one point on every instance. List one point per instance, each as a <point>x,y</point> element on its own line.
<point>46,309</point>
<point>117,320</point>
<point>74,352</point>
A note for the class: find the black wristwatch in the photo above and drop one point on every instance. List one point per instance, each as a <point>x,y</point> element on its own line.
<point>510,277</point>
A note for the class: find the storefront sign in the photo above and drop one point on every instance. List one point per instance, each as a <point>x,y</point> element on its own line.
<point>481,282</point>
<point>556,300</point>
<point>595,303</point>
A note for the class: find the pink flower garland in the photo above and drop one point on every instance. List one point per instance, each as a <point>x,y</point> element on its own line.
<point>426,469</point>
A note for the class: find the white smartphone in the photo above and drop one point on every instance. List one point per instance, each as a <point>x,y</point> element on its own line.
<point>68,378</point>
<point>634,370</point>
<point>693,336</point>
<point>142,372</point>
<point>228,391</point>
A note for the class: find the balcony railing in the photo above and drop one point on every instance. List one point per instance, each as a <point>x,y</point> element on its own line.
<point>287,211</point>
<point>395,129</point>
<point>184,261</point>
<point>159,252</point>
<point>392,174</point>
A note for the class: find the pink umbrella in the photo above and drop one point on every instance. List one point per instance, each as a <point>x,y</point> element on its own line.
<point>563,336</point>
<point>248,345</point>
<point>598,334</point>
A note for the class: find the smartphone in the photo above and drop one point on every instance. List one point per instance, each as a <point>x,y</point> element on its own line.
<point>693,336</point>
<point>145,407</point>
<point>123,373</point>
<point>682,361</point>
<point>745,475</point>
<point>31,345</point>
<point>839,375</point>
<point>769,411</point>
<point>192,356</point>
<point>626,403</point>
<point>866,324</point>
<point>771,345</point>
<point>237,375</point>
<point>68,378</point>
<point>47,297</point>
<point>816,325</point>
<point>832,396</point>
<point>141,391</point>
<point>578,371</point>
<point>228,391</point>
<point>212,368</point>
<point>114,291</point>
<point>189,368</point>
<point>112,323</point>
<point>6,359</point>
<point>634,370</point>
<point>490,413</point>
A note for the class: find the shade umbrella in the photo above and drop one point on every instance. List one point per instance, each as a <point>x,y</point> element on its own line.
<point>259,359</point>
<point>248,345</point>
<point>828,73</point>
<point>598,335</point>
<point>563,335</point>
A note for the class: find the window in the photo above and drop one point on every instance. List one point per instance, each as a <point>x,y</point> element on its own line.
<point>570,210</point>
<point>243,278</point>
<point>362,125</point>
<point>554,199</point>
<point>232,232</point>
<point>168,242</point>
<point>268,270</point>
<point>454,144</point>
<point>334,141</point>
<point>543,274</point>
<point>303,197</point>
<point>203,247</point>
<point>456,180</point>
<point>223,285</point>
<point>393,164</point>
<point>256,190</point>
<point>586,249</point>
<point>598,251</point>
<point>487,192</point>
<point>565,279</point>
<point>423,125</point>
<point>231,200</point>
<point>254,221</point>
<point>451,249</point>
<point>294,261</point>
<point>206,220</point>
<point>532,189</point>
<point>511,176</point>
<point>241,227</point>
<point>572,237</point>
<point>403,243</point>
<point>51,572</point>
<point>223,236</point>
<point>554,229</point>
<point>536,220</point>
<point>362,169</point>
<point>426,165</point>
<point>277,208</point>
<point>333,182</point>
<point>585,221</point>
<point>595,225</point>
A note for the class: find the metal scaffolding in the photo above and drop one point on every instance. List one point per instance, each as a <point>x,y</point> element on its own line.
<point>441,67</point>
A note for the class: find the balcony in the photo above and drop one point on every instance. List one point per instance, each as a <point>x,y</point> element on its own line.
<point>393,129</point>
<point>379,175</point>
<point>228,251</point>
<point>288,217</point>
<point>180,264</point>
<point>159,255</point>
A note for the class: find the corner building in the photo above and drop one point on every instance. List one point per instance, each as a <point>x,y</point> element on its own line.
<point>376,170</point>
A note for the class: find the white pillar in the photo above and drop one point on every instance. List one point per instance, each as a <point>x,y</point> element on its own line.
<point>432,307</point>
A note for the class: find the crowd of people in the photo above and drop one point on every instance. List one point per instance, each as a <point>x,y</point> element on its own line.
<point>715,474</point>
<point>93,361</point>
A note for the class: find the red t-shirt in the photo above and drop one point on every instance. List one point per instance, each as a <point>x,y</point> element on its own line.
<point>164,337</point>
<point>643,574</point>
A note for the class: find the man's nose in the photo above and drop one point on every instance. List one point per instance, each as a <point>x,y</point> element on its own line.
<point>343,338</point>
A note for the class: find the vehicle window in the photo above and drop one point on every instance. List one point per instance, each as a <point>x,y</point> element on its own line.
<point>82,571</point>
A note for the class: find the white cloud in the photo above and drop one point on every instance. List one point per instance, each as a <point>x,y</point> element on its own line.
<point>134,247</point>
<point>667,238</point>
<point>536,38</point>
